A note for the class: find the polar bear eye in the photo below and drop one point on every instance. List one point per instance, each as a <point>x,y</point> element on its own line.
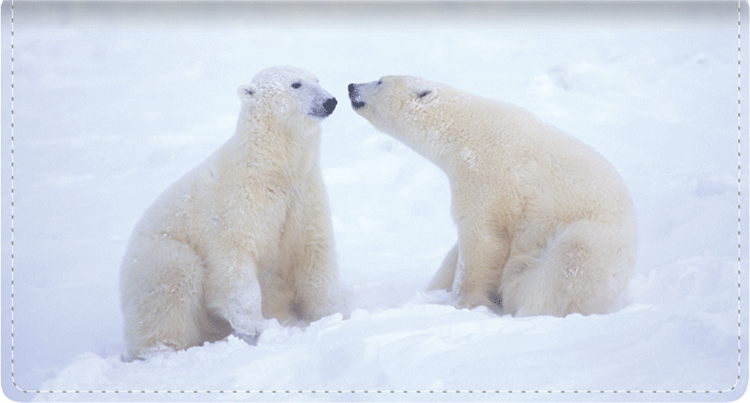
<point>380,82</point>
<point>296,85</point>
<point>424,94</point>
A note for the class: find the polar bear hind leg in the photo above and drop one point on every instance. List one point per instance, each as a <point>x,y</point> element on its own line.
<point>581,269</point>
<point>163,306</point>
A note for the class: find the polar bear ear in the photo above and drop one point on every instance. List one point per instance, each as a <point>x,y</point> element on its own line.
<point>425,93</point>
<point>246,92</point>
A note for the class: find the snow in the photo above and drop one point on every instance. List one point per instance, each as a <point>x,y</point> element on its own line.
<point>114,102</point>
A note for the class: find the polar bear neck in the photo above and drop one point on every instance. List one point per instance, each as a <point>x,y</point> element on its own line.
<point>272,146</point>
<point>438,151</point>
<point>455,140</point>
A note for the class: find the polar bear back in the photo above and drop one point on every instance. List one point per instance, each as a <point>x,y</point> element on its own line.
<point>541,169</point>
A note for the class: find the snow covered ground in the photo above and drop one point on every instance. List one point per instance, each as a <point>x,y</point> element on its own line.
<point>113,102</point>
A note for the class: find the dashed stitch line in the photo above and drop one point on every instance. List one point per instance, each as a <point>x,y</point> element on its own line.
<point>12,199</point>
<point>739,191</point>
<point>381,392</point>
<point>739,277</point>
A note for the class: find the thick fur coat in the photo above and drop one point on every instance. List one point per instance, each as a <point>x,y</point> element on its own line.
<point>245,235</point>
<point>545,224</point>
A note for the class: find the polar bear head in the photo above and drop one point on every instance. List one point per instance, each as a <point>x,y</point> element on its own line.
<point>413,110</point>
<point>286,95</point>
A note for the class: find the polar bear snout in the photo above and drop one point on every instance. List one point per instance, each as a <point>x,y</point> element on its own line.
<point>325,108</point>
<point>355,97</point>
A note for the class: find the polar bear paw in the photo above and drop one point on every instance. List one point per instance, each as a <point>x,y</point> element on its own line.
<point>251,339</point>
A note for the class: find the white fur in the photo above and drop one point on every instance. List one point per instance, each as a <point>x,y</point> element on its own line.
<point>545,224</point>
<point>245,235</point>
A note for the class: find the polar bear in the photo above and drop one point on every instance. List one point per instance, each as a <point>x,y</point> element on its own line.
<point>246,235</point>
<point>545,224</point>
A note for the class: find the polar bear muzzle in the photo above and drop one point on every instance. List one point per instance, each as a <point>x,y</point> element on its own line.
<point>354,96</point>
<point>324,109</point>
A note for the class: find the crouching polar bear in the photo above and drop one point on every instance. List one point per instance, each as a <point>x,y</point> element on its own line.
<point>245,235</point>
<point>545,224</point>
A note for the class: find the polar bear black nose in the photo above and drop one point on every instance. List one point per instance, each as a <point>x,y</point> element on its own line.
<point>354,96</point>
<point>329,105</point>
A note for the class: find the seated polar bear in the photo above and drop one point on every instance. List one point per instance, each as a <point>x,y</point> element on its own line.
<point>245,235</point>
<point>545,223</point>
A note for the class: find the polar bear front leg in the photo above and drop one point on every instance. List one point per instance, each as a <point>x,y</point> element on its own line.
<point>482,252</point>
<point>317,285</point>
<point>309,240</point>
<point>235,295</point>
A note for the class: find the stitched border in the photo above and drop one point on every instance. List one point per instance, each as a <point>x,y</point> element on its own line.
<point>739,192</point>
<point>12,200</point>
<point>382,392</point>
